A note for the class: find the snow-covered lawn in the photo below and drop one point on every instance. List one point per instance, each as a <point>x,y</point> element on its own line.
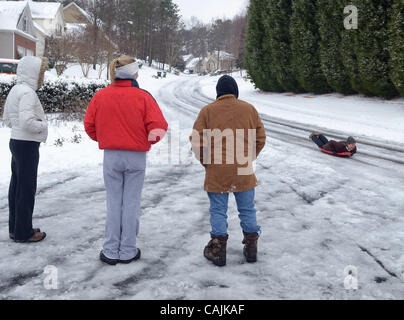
<point>319,214</point>
<point>74,71</point>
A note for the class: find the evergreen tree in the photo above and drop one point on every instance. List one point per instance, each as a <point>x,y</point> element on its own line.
<point>330,18</point>
<point>397,45</point>
<point>258,56</point>
<point>305,40</point>
<point>277,38</point>
<point>241,46</point>
<point>349,42</point>
<point>372,47</point>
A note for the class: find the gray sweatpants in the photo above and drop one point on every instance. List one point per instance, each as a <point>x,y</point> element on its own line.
<point>124,173</point>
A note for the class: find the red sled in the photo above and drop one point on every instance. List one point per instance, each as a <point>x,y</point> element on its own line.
<point>341,155</point>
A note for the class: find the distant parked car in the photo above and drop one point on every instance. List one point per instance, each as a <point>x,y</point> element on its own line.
<point>8,66</point>
<point>220,72</point>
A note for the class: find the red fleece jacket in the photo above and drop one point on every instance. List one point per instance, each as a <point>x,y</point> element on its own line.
<point>124,117</point>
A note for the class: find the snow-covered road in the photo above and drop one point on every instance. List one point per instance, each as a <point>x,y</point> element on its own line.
<point>319,214</point>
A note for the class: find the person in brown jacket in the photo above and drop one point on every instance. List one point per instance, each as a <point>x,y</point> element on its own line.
<point>346,148</point>
<point>228,136</point>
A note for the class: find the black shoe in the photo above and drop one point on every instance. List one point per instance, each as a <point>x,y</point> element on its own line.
<point>133,259</point>
<point>111,262</point>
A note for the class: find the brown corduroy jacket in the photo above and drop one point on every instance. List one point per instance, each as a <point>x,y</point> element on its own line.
<point>228,136</point>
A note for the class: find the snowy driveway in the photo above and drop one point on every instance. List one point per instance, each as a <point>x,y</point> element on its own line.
<point>319,215</point>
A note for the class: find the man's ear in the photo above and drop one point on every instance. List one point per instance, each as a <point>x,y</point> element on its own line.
<point>137,75</point>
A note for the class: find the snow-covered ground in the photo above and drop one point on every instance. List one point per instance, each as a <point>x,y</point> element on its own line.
<point>319,214</point>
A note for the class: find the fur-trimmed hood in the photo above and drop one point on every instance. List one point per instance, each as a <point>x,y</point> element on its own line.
<point>30,71</point>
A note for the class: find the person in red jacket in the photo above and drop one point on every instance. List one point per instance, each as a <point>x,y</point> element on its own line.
<point>346,148</point>
<point>125,121</point>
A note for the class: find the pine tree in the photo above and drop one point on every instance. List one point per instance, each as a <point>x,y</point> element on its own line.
<point>305,39</point>
<point>397,45</point>
<point>330,19</point>
<point>277,37</point>
<point>372,51</point>
<point>258,54</point>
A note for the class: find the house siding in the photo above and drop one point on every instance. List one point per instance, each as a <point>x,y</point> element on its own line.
<point>40,45</point>
<point>74,15</point>
<point>54,27</point>
<point>6,48</point>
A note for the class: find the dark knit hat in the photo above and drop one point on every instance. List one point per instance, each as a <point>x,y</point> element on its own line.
<point>351,140</point>
<point>226,85</point>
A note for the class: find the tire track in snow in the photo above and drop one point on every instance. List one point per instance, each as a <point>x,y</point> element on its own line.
<point>45,188</point>
<point>57,183</point>
<point>19,280</point>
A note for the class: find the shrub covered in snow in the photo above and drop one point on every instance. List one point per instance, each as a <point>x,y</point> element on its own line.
<point>6,83</point>
<point>59,94</point>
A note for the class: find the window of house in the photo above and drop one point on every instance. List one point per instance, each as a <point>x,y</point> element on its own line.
<point>30,52</point>
<point>25,24</point>
<point>59,30</point>
<point>22,52</point>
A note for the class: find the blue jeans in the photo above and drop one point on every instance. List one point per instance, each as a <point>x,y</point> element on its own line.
<point>245,207</point>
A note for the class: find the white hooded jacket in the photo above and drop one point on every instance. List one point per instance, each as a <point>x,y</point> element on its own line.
<point>23,111</point>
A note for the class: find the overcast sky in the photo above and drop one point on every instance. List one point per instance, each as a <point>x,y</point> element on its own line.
<point>205,10</point>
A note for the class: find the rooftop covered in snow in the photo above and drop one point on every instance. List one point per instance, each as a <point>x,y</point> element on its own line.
<point>10,13</point>
<point>44,10</point>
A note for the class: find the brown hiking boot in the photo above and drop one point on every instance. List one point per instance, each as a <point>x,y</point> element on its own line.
<point>11,235</point>
<point>37,237</point>
<point>250,246</point>
<point>215,251</point>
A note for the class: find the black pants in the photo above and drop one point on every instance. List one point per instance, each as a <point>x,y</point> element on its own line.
<point>21,195</point>
<point>320,140</point>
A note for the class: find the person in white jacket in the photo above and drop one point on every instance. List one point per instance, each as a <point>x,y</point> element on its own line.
<point>24,114</point>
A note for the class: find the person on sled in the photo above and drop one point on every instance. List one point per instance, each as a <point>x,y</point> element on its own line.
<point>336,148</point>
